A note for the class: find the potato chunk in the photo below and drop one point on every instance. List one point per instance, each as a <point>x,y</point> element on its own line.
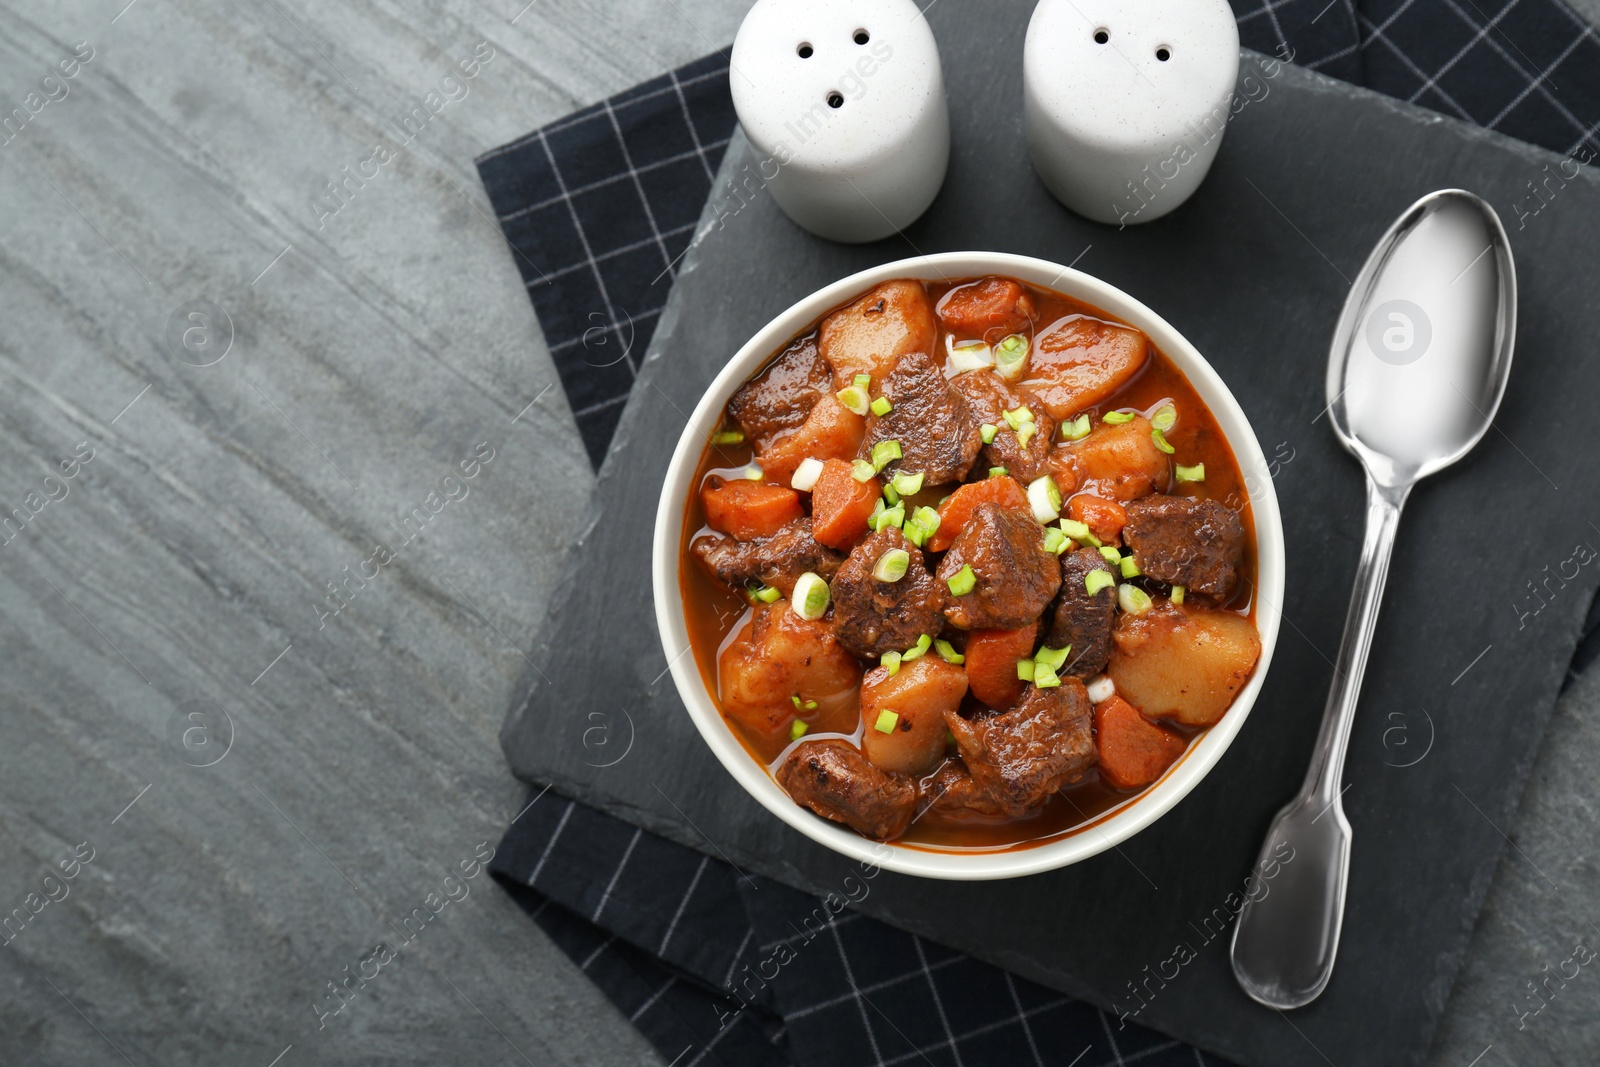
<point>778,656</point>
<point>919,694</point>
<point>1119,463</point>
<point>1183,663</point>
<point>1078,361</point>
<point>871,335</point>
<point>831,431</point>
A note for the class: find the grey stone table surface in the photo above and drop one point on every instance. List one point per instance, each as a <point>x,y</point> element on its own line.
<point>216,399</point>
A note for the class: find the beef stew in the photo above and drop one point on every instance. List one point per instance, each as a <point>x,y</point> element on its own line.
<point>970,565</point>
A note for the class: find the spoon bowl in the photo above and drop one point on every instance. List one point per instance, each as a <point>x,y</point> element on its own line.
<point>1417,369</point>
<point>1422,351</point>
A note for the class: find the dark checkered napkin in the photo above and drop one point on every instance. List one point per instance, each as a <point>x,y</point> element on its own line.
<point>716,967</point>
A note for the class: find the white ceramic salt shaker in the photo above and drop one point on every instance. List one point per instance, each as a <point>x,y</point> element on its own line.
<point>844,100</point>
<point>1126,101</point>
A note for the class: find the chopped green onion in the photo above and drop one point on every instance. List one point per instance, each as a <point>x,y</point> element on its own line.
<point>1132,599</point>
<point>1130,569</point>
<point>753,473</point>
<point>797,729</point>
<point>917,650</point>
<point>949,738</point>
<point>1097,580</point>
<point>891,494</point>
<point>927,518</point>
<point>887,721</point>
<point>895,516</point>
<point>795,699</point>
<point>1025,669</point>
<point>1165,418</point>
<point>806,475</point>
<point>998,472</point>
<point>1054,540</point>
<point>967,355</point>
<point>1111,555</point>
<point>862,381</point>
<point>1161,442</point>
<point>907,484</point>
<point>862,471</point>
<point>810,705</point>
<point>767,595</point>
<point>1045,677</point>
<point>891,566</point>
<point>1025,434</point>
<point>811,596</point>
<point>881,406</point>
<point>1054,658</point>
<point>948,652</point>
<point>728,437</point>
<point>1116,418</point>
<point>1044,498</point>
<point>885,453</point>
<point>915,532</point>
<point>1196,473</point>
<point>1080,532</point>
<point>890,661</point>
<point>1018,417</point>
<point>963,581</point>
<point>1011,357</point>
<point>987,431</point>
<point>1177,594</point>
<point>970,355</point>
<point>1075,429</point>
<point>855,398</point>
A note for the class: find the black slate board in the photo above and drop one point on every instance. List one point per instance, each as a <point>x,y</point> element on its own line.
<point>1253,270</point>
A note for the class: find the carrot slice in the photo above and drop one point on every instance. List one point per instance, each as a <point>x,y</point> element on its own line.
<point>992,663</point>
<point>840,505</point>
<point>1105,518</point>
<point>748,510</point>
<point>1133,750</point>
<point>954,512</point>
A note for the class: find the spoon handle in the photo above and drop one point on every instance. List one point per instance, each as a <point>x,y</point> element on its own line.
<point>1360,621</point>
<point>1287,933</point>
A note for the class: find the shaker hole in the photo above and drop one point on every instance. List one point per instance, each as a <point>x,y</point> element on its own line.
<point>804,50</point>
<point>835,100</point>
<point>1163,53</point>
<point>862,37</point>
<point>1101,36</point>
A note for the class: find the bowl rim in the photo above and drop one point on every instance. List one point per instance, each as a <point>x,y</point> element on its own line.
<point>1104,832</point>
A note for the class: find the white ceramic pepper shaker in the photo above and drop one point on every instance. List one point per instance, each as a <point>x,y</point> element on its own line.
<point>1126,101</point>
<point>844,100</point>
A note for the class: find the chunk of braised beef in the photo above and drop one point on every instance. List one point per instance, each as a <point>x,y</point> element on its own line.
<point>990,398</point>
<point>777,561</point>
<point>871,617</point>
<point>1022,756</point>
<point>1082,621</point>
<point>1016,576</point>
<point>833,778</point>
<point>951,791</point>
<point>1198,544</point>
<point>781,397</point>
<point>937,432</point>
<point>991,306</point>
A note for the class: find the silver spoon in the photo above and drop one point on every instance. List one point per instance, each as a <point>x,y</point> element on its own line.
<point>1415,375</point>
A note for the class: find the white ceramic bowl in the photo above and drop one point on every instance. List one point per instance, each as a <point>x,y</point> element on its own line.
<point>1109,829</point>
